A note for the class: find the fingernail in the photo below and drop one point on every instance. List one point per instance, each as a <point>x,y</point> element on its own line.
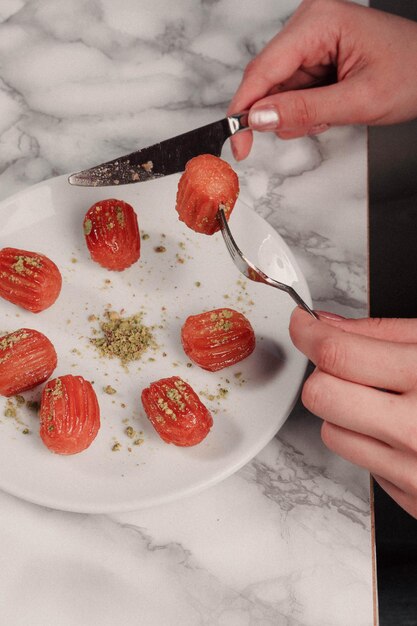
<point>329,316</point>
<point>319,128</point>
<point>235,151</point>
<point>266,118</point>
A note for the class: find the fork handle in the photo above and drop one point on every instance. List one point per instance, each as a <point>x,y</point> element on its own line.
<point>298,300</point>
<point>294,295</point>
<point>238,122</point>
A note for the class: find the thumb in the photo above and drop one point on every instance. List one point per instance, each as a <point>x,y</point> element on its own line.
<point>388,329</point>
<point>302,110</point>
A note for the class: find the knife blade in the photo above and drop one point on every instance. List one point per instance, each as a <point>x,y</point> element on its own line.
<point>164,158</point>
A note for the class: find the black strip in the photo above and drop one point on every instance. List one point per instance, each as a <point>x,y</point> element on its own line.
<point>393,293</point>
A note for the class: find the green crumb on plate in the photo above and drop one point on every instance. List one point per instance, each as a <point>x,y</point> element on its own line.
<point>125,338</point>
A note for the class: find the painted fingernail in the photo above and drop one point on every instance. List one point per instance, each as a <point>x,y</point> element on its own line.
<point>329,316</point>
<point>266,118</point>
<point>319,128</point>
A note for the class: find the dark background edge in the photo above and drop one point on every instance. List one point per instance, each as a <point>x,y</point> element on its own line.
<point>392,178</point>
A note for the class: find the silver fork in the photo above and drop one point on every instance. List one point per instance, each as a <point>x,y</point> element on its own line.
<point>250,270</point>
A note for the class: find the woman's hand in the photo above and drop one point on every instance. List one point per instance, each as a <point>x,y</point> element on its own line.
<point>364,387</point>
<point>367,56</point>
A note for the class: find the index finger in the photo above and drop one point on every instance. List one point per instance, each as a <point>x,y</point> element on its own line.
<point>401,330</point>
<point>275,63</point>
<point>353,357</point>
<point>260,76</point>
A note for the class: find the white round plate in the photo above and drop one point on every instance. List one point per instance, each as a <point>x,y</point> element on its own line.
<point>194,274</point>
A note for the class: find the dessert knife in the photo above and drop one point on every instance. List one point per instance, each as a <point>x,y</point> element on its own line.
<point>164,158</point>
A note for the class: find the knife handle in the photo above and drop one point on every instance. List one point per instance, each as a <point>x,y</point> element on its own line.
<point>238,122</point>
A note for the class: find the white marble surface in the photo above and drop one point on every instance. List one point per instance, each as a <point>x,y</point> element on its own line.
<point>287,540</point>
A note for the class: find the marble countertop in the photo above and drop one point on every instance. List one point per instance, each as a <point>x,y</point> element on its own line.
<point>285,541</point>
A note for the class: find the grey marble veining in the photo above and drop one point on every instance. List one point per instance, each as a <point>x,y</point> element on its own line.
<point>286,541</point>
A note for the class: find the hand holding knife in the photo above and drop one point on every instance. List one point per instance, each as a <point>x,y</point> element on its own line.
<point>164,158</point>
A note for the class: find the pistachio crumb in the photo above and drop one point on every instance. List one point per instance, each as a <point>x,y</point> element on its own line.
<point>148,166</point>
<point>130,432</point>
<point>10,409</point>
<point>56,391</point>
<point>23,263</point>
<point>88,226</point>
<point>120,216</point>
<point>124,338</point>
<point>32,405</point>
